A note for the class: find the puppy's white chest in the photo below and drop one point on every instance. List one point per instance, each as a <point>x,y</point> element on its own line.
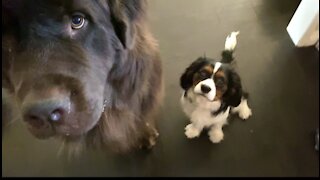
<point>199,110</point>
<point>206,118</point>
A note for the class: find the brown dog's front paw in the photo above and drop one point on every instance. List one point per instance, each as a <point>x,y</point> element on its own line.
<point>150,141</point>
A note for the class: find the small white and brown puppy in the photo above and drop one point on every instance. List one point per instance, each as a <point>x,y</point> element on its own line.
<point>212,89</point>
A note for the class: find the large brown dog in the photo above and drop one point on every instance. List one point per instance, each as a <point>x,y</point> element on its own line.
<point>87,71</point>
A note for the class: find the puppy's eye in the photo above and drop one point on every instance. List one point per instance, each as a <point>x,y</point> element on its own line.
<point>77,21</point>
<point>219,81</point>
<point>203,74</point>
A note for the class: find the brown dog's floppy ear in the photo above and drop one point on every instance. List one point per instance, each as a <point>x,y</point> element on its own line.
<point>8,44</point>
<point>234,93</point>
<point>124,15</point>
<point>10,33</point>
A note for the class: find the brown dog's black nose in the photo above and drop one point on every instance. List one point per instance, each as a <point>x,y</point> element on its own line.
<point>205,88</point>
<point>40,113</point>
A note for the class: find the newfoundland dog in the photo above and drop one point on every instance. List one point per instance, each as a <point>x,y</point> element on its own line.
<point>85,71</point>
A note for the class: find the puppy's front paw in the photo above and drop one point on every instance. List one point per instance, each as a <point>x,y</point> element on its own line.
<point>216,136</point>
<point>191,131</point>
<point>245,113</point>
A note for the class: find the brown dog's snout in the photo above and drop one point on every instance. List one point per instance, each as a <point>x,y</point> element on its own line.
<point>44,112</point>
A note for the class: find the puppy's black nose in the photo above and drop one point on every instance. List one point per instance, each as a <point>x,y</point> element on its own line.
<point>205,88</point>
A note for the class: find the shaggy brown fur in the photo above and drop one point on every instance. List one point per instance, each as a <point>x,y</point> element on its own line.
<point>109,70</point>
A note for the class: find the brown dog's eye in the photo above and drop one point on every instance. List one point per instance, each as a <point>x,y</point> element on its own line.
<point>77,21</point>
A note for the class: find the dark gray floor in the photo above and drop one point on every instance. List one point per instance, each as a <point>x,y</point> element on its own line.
<point>278,140</point>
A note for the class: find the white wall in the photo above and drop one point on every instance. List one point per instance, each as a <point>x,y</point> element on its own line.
<point>303,28</point>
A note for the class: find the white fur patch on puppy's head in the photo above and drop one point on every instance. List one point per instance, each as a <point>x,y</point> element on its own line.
<point>211,88</point>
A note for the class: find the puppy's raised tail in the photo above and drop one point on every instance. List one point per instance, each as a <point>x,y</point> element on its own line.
<point>229,47</point>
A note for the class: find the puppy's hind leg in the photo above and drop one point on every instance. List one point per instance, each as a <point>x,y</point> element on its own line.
<point>243,109</point>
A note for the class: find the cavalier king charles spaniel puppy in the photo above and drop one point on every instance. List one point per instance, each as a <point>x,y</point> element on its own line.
<point>212,89</point>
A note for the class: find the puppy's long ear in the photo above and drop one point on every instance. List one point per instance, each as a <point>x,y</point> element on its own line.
<point>124,17</point>
<point>186,80</point>
<point>234,93</point>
